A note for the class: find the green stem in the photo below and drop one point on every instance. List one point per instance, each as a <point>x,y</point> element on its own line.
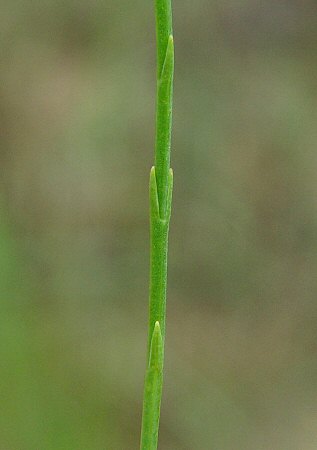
<point>164,117</point>
<point>161,186</point>
<point>153,392</point>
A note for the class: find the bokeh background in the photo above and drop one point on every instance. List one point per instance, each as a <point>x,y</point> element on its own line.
<point>77,95</point>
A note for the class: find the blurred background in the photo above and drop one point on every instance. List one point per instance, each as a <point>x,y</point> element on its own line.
<point>77,96</point>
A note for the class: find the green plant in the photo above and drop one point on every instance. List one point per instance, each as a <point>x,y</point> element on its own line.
<point>161,185</point>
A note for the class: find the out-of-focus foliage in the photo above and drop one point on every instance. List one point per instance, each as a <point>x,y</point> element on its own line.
<point>77,90</point>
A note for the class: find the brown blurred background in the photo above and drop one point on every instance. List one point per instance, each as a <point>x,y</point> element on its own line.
<point>77,95</point>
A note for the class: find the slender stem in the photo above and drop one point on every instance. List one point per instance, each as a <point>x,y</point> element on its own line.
<point>165,70</point>
<point>161,186</point>
<point>152,392</point>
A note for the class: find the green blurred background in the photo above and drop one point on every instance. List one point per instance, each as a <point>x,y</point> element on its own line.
<point>77,95</point>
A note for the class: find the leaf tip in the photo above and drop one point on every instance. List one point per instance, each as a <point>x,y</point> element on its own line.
<point>156,353</point>
<point>157,333</point>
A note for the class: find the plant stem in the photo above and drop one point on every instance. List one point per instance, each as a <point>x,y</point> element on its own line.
<point>161,185</point>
